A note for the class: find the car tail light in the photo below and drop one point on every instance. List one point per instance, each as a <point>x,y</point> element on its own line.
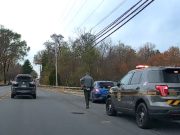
<point>15,84</point>
<point>163,90</point>
<point>32,84</point>
<point>97,90</point>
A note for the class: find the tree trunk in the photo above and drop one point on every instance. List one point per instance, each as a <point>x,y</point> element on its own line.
<point>4,72</point>
<point>7,70</point>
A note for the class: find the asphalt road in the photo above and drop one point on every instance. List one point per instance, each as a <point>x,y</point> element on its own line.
<point>54,113</point>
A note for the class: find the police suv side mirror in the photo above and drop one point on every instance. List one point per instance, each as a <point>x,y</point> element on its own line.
<point>118,84</point>
<point>113,90</point>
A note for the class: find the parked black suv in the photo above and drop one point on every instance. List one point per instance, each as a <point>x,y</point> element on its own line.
<point>23,85</point>
<point>147,93</point>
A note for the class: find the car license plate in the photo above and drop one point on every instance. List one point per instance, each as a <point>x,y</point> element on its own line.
<point>23,86</point>
<point>23,91</point>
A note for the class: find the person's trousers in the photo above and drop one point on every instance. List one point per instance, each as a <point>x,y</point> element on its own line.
<point>87,96</point>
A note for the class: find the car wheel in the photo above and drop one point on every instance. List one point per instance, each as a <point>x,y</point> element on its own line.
<point>110,109</point>
<point>142,116</point>
<point>92,99</point>
<point>12,95</point>
<point>34,96</point>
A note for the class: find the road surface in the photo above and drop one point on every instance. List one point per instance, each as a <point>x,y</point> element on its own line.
<point>54,113</point>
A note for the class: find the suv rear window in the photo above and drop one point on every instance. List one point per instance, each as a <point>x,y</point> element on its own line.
<point>171,75</point>
<point>164,76</point>
<point>24,79</point>
<point>106,84</point>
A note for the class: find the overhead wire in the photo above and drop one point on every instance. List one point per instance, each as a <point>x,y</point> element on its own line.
<point>69,10</point>
<point>66,7</point>
<point>115,21</point>
<point>76,14</point>
<point>124,23</point>
<point>133,13</point>
<point>109,14</point>
<point>87,18</point>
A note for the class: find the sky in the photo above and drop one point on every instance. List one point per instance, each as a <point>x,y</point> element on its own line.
<point>36,20</point>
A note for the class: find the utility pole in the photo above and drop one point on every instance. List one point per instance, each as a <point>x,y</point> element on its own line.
<point>56,64</point>
<point>57,39</point>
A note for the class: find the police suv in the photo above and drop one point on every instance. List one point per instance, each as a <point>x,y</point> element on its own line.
<point>148,93</point>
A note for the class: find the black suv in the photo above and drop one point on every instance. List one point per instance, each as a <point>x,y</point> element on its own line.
<point>148,93</point>
<point>23,85</point>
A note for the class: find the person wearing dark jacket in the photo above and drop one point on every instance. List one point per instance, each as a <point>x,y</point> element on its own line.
<point>87,85</point>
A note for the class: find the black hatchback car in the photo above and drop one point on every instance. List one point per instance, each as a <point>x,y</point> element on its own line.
<point>23,85</point>
<point>147,93</point>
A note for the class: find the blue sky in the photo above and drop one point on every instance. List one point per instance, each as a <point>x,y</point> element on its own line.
<point>36,20</point>
<point>159,24</point>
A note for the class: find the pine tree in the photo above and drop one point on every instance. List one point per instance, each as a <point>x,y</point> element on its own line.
<point>27,67</point>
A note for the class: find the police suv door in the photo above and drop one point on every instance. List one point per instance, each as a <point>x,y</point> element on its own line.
<point>122,91</point>
<point>133,90</point>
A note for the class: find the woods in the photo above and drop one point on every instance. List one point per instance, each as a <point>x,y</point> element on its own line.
<point>107,61</point>
<point>12,50</point>
<point>75,57</point>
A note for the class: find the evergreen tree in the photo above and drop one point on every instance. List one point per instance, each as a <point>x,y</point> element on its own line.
<point>27,67</point>
<point>34,74</point>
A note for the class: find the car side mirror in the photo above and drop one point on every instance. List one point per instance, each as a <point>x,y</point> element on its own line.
<point>118,84</point>
<point>113,90</point>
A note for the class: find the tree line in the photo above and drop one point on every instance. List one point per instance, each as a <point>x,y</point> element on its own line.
<point>107,61</point>
<point>12,50</point>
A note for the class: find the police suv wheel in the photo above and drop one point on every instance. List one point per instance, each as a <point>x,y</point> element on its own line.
<point>142,117</point>
<point>110,110</point>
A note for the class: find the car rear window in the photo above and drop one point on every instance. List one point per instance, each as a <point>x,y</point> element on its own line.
<point>171,75</point>
<point>24,79</point>
<point>106,84</point>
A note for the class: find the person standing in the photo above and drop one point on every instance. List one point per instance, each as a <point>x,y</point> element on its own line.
<point>87,85</point>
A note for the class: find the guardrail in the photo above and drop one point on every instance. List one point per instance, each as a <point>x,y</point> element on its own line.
<point>62,87</point>
<point>3,84</point>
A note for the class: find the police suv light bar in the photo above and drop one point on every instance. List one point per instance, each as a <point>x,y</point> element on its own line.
<point>141,66</point>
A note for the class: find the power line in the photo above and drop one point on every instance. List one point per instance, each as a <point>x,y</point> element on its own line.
<point>87,18</point>
<point>66,26</point>
<point>68,11</point>
<point>136,11</point>
<point>124,22</point>
<point>76,14</point>
<point>118,22</point>
<point>110,13</point>
<point>114,22</point>
<point>66,7</point>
